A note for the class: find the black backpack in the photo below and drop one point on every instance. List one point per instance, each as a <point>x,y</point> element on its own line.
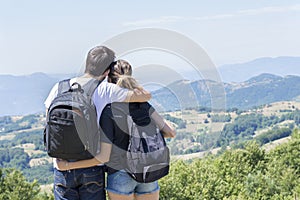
<point>148,156</point>
<point>71,131</point>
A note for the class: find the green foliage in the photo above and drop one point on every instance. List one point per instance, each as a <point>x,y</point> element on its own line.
<point>7,125</point>
<point>249,173</point>
<point>272,135</point>
<point>245,172</point>
<point>292,116</point>
<point>14,186</point>
<point>29,119</point>
<point>288,155</point>
<point>234,134</point>
<point>42,173</point>
<point>185,142</point>
<point>281,179</point>
<point>244,127</point>
<point>15,158</point>
<point>34,137</point>
<point>181,123</point>
<point>5,121</point>
<point>175,183</point>
<point>220,118</point>
<point>203,109</point>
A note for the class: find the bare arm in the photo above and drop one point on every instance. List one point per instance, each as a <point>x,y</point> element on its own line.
<point>138,95</point>
<point>101,158</point>
<point>163,125</point>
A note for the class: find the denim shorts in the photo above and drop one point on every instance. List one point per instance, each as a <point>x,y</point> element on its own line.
<point>121,183</point>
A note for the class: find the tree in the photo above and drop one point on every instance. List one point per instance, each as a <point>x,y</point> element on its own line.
<point>13,186</point>
<point>247,173</point>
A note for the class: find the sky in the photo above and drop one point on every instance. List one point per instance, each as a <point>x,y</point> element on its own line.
<point>54,36</point>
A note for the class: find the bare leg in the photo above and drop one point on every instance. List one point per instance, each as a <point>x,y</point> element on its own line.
<point>114,196</point>
<point>152,196</point>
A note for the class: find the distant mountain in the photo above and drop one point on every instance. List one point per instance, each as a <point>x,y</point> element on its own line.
<point>263,89</point>
<point>281,66</point>
<point>259,90</point>
<point>21,95</point>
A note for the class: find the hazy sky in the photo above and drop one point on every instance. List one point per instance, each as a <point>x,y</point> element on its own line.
<point>54,36</point>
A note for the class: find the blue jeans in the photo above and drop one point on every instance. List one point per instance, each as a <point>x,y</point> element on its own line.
<point>80,184</point>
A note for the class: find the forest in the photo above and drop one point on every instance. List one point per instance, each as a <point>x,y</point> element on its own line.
<point>241,173</point>
<point>241,169</point>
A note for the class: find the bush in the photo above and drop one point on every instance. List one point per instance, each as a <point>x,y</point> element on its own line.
<point>14,186</point>
<point>249,173</point>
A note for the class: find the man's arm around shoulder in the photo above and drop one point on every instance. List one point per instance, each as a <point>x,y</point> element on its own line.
<point>138,95</point>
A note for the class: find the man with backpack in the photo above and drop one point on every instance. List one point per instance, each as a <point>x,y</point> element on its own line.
<point>84,183</point>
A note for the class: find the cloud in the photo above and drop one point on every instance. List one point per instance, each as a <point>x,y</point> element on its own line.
<point>266,10</point>
<point>247,12</point>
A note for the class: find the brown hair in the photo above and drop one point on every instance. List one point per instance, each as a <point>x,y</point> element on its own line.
<point>98,60</point>
<point>118,68</point>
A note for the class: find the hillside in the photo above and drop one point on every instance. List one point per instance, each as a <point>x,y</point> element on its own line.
<point>21,146</point>
<point>199,132</point>
<point>238,173</point>
<point>259,90</point>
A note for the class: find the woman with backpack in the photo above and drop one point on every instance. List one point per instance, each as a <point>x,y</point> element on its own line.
<point>115,131</point>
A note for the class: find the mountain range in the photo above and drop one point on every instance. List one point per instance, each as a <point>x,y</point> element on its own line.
<point>21,95</point>
<point>239,72</point>
<point>259,90</point>
<point>242,88</point>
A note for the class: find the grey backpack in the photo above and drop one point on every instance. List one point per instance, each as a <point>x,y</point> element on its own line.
<point>148,156</point>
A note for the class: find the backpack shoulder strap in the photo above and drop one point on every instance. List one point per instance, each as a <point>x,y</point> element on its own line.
<point>63,86</point>
<point>91,86</point>
<point>130,125</point>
